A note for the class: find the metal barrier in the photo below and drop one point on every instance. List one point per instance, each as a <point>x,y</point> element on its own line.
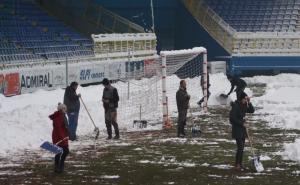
<point>264,43</point>
<point>124,45</point>
<point>221,31</point>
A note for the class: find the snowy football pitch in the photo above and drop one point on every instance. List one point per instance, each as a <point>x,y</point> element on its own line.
<point>158,157</point>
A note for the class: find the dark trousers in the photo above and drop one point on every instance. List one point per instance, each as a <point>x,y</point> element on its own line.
<point>239,91</point>
<point>181,122</point>
<point>111,120</point>
<point>59,160</point>
<point>240,143</point>
<point>73,122</point>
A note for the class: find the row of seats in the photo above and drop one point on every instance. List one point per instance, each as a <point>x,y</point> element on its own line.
<point>58,49</point>
<point>256,7</point>
<point>20,58</point>
<point>262,23</point>
<point>50,44</point>
<point>263,17</point>
<point>12,51</point>
<point>256,2</point>
<point>71,54</point>
<point>14,22</point>
<point>267,29</point>
<point>31,38</point>
<point>45,57</point>
<point>4,45</point>
<point>255,12</point>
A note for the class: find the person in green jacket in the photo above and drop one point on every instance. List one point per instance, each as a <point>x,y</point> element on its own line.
<point>237,119</point>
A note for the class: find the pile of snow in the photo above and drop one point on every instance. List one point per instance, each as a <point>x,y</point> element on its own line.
<point>281,102</point>
<point>292,150</point>
<point>280,106</point>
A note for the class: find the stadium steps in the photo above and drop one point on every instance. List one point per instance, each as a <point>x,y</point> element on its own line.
<point>298,22</point>
<point>222,32</point>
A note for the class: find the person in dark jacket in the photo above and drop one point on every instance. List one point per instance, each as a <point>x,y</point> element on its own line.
<point>202,87</point>
<point>238,83</point>
<point>237,119</point>
<point>71,100</point>
<point>110,99</point>
<point>182,100</point>
<point>60,136</point>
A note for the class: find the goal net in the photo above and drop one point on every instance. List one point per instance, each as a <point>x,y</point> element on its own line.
<point>148,89</point>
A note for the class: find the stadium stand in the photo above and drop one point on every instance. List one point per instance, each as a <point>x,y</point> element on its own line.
<point>28,34</point>
<point>259,35</point>
<point>246,32</point>
<point>257,15</point>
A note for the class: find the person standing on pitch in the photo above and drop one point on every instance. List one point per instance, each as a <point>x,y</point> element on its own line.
<point>60,136</point>
<point>182,100</point>
<point>71,100</point>
<point>237,119</point>
<point>239,83</point>
<point>110,99</point>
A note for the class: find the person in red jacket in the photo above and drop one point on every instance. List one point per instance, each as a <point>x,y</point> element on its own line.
<point>60,136</point>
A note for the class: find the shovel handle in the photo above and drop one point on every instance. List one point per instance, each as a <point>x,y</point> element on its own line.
<point>249,139</point>
<point>87,112</point>
<point>96,128</point>
<point>61,140</point>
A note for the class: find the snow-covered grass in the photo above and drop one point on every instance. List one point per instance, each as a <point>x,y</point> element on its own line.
<point>158,157</point>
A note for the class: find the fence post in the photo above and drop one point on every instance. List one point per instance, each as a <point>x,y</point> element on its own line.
<point>67,74</point>
<point>205,74</point>
<point>166,123</point>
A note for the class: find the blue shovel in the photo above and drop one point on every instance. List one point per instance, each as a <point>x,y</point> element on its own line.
<point>54,148</point>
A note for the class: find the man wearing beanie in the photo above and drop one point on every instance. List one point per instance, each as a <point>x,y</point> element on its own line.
<point>110,101</point>
<point>237,119</point>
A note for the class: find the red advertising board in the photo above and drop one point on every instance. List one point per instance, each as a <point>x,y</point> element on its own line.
<point>10,84</point>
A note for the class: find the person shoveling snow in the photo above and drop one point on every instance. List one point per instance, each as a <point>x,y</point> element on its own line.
<point>236,117</point>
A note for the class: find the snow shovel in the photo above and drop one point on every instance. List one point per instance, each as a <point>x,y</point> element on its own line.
<point>96,130</point>
<point>255,161</point>
<point>140,123</point>
<point>195,129</point>
<point>223,95</point>
<point>54,148</point>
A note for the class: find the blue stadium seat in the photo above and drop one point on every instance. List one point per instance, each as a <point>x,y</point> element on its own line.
<point>30,34</point>
<point>255,12</point>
